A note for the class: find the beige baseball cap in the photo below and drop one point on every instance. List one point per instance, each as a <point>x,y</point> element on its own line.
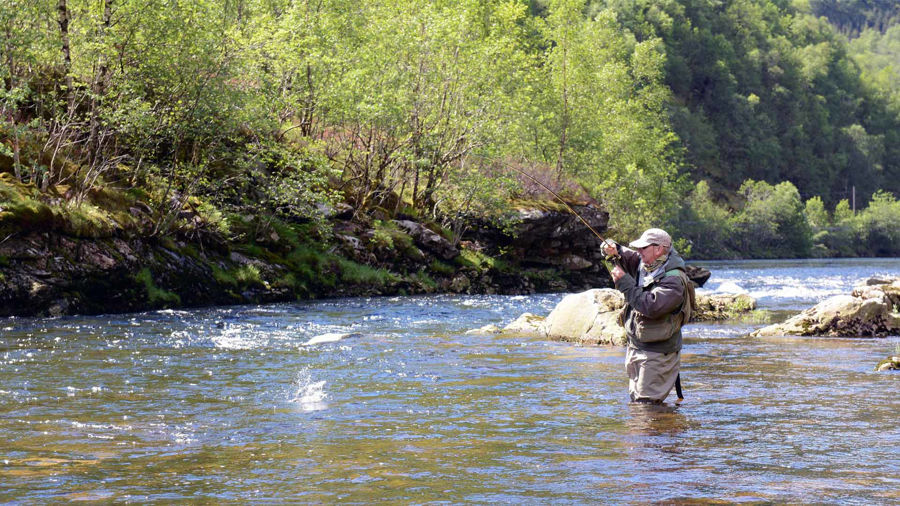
<point>652,236</point>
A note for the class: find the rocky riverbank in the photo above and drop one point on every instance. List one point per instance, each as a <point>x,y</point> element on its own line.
<point>53,273</point>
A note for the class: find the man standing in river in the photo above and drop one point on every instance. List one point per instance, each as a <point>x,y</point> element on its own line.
<point>651,276</point>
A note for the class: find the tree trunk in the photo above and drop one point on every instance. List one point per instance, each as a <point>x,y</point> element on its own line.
<point>565,113</point>
<point>63,20</point>
<point>98,87</point>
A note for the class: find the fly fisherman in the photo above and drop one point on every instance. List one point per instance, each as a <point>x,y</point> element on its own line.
<point>651,275</point>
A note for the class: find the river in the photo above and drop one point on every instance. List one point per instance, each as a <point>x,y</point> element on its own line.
<point>233,404</point>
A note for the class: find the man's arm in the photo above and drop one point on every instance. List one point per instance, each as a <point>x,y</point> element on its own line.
<point>664,298</point>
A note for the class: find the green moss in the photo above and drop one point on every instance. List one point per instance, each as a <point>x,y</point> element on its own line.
<point>223,277</point>
<point>387,235</point>
<point>240,277</point>
<point>156,295</point>
<point>86,220</point>
<point>21,207</point>
<point>4,261</point>
<point>191,251</point>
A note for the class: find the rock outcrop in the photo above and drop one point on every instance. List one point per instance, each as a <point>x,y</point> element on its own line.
<point>52,275</point>
<point>698,275</point>
<point>720,306</point>
<point>872,310</point>
<point>548,238</point>
<point>527,323</point>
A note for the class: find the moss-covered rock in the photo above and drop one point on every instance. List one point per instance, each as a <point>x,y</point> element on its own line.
<point>720,306</point>
<point>889,364</point>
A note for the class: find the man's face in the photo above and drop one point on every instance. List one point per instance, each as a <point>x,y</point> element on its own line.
<point>651,253</point>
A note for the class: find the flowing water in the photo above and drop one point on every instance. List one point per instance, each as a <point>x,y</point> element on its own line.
<point>364,400</point>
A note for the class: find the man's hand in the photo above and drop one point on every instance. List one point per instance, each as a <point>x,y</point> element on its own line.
<point>609,248</point>
<point>616,273</point>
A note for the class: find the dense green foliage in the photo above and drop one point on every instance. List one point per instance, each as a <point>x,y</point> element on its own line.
<point>221,120</point>
<point>774,222</point>
<point>854,16</point>
<point>768,92</point>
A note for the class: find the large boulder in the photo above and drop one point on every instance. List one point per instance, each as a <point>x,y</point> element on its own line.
<point>588,318</point>
<point>870,311</point>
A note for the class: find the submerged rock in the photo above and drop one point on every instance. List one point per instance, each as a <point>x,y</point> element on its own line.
<point>870,311</point>
<point>487,329</point>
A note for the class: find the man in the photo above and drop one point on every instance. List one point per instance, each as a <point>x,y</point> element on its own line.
<point>651,276</point>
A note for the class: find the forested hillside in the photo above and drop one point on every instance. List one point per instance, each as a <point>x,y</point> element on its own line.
<point>220,121</point>
<point>768,92</point>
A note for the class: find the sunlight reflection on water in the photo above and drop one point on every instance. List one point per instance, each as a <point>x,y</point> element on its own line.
<point>234,404</point>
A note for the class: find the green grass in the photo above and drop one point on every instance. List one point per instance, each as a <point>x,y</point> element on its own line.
<point>86,220</point>
<point>156,295</point>
<point>424,280</point>
<point>359,274</point>
<point>240,277</point>
<point>439,267</point>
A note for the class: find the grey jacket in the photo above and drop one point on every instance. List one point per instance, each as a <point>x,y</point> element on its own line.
<point>651,309</point>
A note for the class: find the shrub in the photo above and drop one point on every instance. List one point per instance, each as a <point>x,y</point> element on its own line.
<point>879,225</point>
<point>359,274</point>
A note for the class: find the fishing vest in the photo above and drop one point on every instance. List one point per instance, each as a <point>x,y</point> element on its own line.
<point>654,331</point>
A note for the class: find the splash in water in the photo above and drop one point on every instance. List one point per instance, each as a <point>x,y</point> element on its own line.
<point>309,395</point>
